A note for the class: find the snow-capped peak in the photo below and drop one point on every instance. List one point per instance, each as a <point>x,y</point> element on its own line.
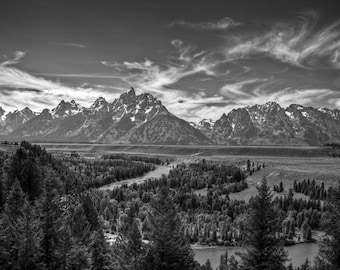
<point>66,109</point>
<point>100,105</point>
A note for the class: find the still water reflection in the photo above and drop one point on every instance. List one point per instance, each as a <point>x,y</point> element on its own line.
<point>297,253</point>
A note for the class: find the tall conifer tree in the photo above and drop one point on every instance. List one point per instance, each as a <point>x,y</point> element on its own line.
<point>329,254</point>
<point>169,248</point>
<point>263,247</point>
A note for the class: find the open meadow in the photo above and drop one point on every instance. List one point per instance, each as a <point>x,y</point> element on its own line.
<point>282,163</point>
<point>189,150</point>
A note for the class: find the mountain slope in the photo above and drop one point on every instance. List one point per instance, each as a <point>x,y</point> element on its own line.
<point>270,124</point>
<point>130,118</point>
<point>12,120</point>
<point>168,129</point>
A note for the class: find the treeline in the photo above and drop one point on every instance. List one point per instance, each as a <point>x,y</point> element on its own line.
<point>94,173</point>
<point>45,225</point>
<point>153,160</point>
<point>11,143</point>
<point>313,189</point>
<point>335,149</point>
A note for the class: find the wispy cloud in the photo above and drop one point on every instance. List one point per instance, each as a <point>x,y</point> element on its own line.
<point>255,91</point>
<point>177,43</point>
<point>153,77</point>
<point>75,75</point>
<point>21,89</point>
<point>162,79</point>
<point>70,44</point>
<point>221,24</point>
<point>15,59</point>
<point>297,42</point>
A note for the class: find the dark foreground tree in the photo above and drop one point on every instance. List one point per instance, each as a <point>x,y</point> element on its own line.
<point>263,247</point>
<point>101,259</point>
<point>129,249</point>
<point>20,233</point>
<point>169,250</point>
<point>329,254</point>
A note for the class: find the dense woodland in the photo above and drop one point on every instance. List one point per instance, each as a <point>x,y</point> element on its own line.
<point>52,218</point>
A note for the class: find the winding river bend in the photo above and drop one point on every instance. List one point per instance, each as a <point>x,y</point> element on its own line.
<point>297,254</point>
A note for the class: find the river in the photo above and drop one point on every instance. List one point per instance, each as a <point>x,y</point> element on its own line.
<point>297,254</point>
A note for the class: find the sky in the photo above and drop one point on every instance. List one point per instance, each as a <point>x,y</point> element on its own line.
<point>200,58</point>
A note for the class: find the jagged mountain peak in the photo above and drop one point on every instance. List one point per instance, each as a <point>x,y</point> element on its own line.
<point>206,121</point>
<point>224,116</point>
<point>26,109</point>
<point>128,96</point>
<point>65,109</point>
<point>205,125</point>
<point>2,114</point>
<point>131,91</point>
<point>45,111</point>
<point>143,118</point>
<point>100,104</point>
<point>266,107</point>
<point>295,107</point>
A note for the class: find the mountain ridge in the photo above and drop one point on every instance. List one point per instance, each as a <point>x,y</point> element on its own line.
<point>144,119</point>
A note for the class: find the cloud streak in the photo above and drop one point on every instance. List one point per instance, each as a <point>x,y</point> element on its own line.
<point>21,89</point>
<point>298,43</point>
<point>221,24</point>
<point>255,91</point>
<point>70,44</point>
<point>153,77</point>
<point>17,56</point>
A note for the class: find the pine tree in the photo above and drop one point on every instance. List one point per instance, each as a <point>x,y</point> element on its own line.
<point>100,259</point>
<point>30,238</point>
<point>2,187</point>
<point>169,249</point>
<point>15,200</point>
<point>66,241</point>
<point>51,221</point>
<point>80,226</point>
<point>263,249</point>
<point>79,257</point>
<point>306,265</point>
<point>233,263</point>
<point>224,262</point>
<point>329,254</point>
<point>9,233</point>
<point>90,212</point>
<point>207,265</point>
<point>129,250</point>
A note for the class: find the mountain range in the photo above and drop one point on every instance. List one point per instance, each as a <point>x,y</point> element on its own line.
<point>144,119</point>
